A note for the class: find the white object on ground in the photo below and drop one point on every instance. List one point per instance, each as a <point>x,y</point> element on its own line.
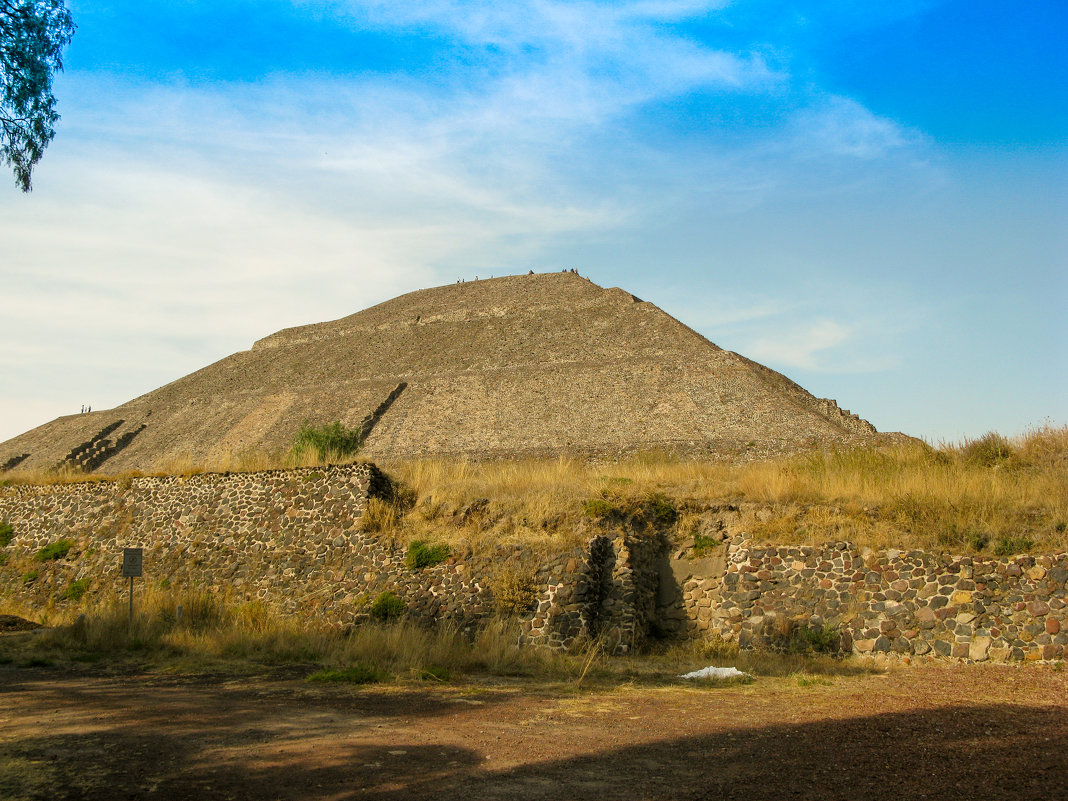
<point>714,673</point>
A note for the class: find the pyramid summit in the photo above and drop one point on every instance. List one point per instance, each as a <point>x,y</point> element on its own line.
<point>529,365</point>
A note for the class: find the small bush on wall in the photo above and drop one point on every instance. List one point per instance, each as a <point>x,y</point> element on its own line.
<point>54,550</point>
<point>422,554</point>
<point>387,606</point>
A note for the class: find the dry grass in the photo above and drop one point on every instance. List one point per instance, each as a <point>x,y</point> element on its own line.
<point>211,631</point>
<point>967,497</point>
<point>213,635</point>
<point>986,495</point>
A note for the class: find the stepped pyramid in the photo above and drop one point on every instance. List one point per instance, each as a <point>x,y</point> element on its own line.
<point>532,365</point>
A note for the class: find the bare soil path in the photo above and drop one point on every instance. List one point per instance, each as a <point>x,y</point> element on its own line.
<point>939,732</point>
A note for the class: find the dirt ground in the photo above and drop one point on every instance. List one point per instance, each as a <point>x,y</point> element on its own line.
<point>940,732</point>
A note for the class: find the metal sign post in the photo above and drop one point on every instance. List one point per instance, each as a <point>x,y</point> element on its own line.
<point>131,566</point>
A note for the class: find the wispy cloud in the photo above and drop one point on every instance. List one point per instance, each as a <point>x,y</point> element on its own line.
<point>837,126</point>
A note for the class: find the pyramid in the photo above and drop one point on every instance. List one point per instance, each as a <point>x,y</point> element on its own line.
<point>520,366</point>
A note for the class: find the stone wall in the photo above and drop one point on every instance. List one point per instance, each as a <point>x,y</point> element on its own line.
<point>606,592</point>
<point>289,538</point>
<point>295,540</point>
<point>892,601</point>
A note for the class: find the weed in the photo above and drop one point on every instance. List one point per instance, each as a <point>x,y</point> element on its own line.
<point>712,646</point>
<point>1008,546</point>
<point>76,589</point>
<point>7,533</point>
<point>953,537</point>
<point>813,681</point>
<point>435,672</point>
<point>355,674</point>
<point>30,576</point>
<point>4,556</point>
<point>515,588</point>
<point>989,450</point>
<point>387,606</point>
<point>54,550</point>
<point>815,639</point>
<point>422,554</point>
<point>332,440</point>
<point>598,508</point>
<point>659,510</point>
<point>380,517</point>
<point>703,545</point>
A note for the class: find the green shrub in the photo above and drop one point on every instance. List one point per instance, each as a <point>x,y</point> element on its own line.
<point>1007,546</point>
<point>76,589</point>
<point>356,674</point>
<point>422,554</point>
<point>659,510</point>
<point>54,550</point>
<point>954,537</point>
<point>332,439</point>
<point>655,508</point>
<point>30,576</point>
<point>599,507</point>
<point>818,639</point>
<point>7,533</point>
<point>387,606</point>
<point>703,545</point>
<point>3,558</point>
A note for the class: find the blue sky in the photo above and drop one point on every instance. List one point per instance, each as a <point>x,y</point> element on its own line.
<point>869,197</point>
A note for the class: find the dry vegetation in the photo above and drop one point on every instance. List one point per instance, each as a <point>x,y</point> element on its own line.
<point>989,495</point>
<point>212,633</point>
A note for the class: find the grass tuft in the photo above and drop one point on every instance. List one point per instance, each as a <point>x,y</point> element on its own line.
<point>387,606</point>
<point>422,554</point>
<point>54,550</point>
<point>354,674</point>
<point>76,589</point>
<point>326,441</point>
<point>1010,546</point>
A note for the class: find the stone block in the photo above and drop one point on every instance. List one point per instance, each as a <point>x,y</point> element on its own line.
<point>1038,608</point>
<point>979,648</point>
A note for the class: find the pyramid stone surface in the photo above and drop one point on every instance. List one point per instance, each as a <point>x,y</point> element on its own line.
<point>532,365</point>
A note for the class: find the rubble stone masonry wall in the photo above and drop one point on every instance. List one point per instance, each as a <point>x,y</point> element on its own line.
<point>294,540</point>
<point>289,538</point>
<point>892,601</point>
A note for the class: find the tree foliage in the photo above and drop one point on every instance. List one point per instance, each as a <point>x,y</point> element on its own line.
<point>33,34</point>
